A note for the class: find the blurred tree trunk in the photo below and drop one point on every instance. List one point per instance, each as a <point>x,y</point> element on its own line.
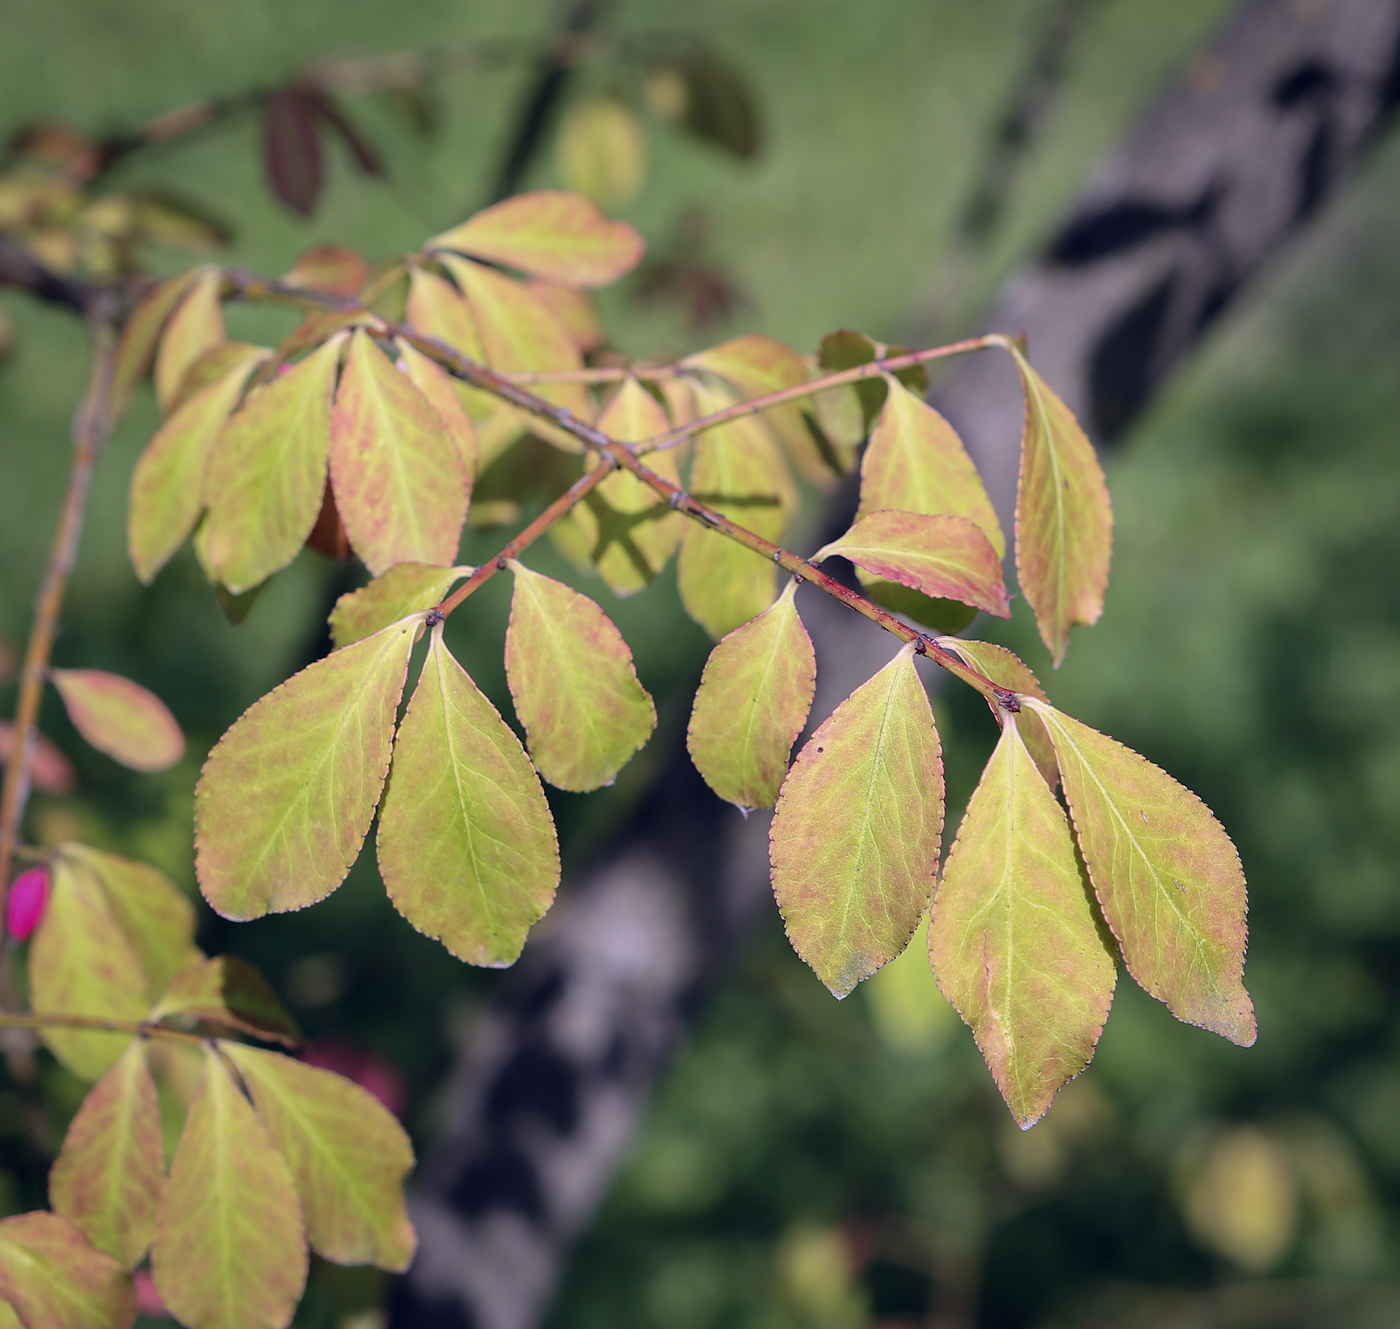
<point>1261,129</point>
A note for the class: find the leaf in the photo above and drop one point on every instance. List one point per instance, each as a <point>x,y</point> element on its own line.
<point>1165,873</point>
<point>196,325</point>
<point>575,689</point>
<point>287,795</point>
<point>347,1154</point>
<point>140,334</point>
<point>218,360</point>
<point>399,482</point>
<point>293,158</point>
<point>226,990</point>
<point>167,485</point>
<point>153,913</point>
<point>939,556</point>
<point>601,150</point>
<point>267,472</point>
<point>575,309</point>
<point>229,1250</point>
<point>1013,938</point>
<point>436,309</point>
<point>709,98</point>
<point>916,463</point>
<point>81,963</point>
<point>1064,520</point>
<point>330,268</point>
<point>120,718</point>
<point>108,1176</point>
<point>628,530</point>
<point>1007,670</point>
<point>740,473</point>
<point>551,234</point>
<point>855,836</point>
<point>466,842</point>
<point>53,1279</point>
<point>753,700</point>
<point>438,387</point>
<point>406,588</point>
<point>847,414</point>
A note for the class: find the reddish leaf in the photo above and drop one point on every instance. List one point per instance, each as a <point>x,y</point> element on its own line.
<point>292,153</point>
<point>49,769</point>
<point>120,718</point>
<point>437,386</point>
<point>53,1279</point>
<point>330,268</point>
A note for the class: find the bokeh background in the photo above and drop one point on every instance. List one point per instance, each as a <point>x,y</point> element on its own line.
<point>810,1164</point>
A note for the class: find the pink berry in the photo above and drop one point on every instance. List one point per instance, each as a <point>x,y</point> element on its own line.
<point>29,893</point>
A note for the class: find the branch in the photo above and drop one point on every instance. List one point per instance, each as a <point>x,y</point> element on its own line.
<point>137,1028</point>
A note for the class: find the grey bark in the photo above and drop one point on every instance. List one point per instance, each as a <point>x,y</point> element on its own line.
<point>1259,131</point>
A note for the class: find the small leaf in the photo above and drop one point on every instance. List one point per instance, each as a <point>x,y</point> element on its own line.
<point>438,387</point>
<point>347,1154</point>
<point>601,150</point>
<point>229,1250</point>
<point>120,718</point>
<point>709,98</point>
<point>108,1176</point>
<point>947,557</point>
<point>292,154</point>
<point>854,841</point>
<point>226,990</point>
<point>551,234</point>
<point>153,913</point>
<point>847,414</point>
<point>52,1278</point>
<point>50,770</point>
<point>329,268</point>
<point>1165,873</point>
<point>399,482</point>
<point>167,485</point>
<point>628,530</point>
<point>140,335</point>
<point>1007,670</point>
<point>196,325</point>
<point>1064,521</point>
<point>287,795</point>
<point>466,842</point>
<point>752,702</point>
<point>1013,938</point>
<point>574,686</point>
<point>917,463</point>
<point>407,588</point>
<point>267,473</point>
<point>436,309</point>
<point>576,310</point>
<point>220,359</point>
<point>81,963</point>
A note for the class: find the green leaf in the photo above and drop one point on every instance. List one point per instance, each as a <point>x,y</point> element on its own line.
<point>854,841</point>
<point>287,795</point>
<point>399,482</point>
<point>1007,670</point>
<point>120,718</point>
<point>108,1176</point>
<point>628,530</point>
<point>406,588</point>
<point>436,309</point>
<point>574,686</point>
<point>196,325</point>
<point>347,1154</point>
<point>81,963</point>
<point>751,705</point>
<point>220,359</point>
<point>266,475</point>
<point>847,413</point>
<point>548,233</point>
<point>53,1279</point>
<point>466,842</point>
<point>1165,873</point>
<point>1013,937</point>
<point>140,335</point>
<point>226,990</point>
<point>229,1250</point>
<point>600,149</point>
<point>153,913</point>
<point>740,473</point>
<point>1064,521</point>
<point>438,387</point>
<point>947,557</point>
<point>167,485</point>
<point>916,463</point>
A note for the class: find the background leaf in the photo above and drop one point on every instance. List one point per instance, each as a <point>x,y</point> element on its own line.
<point>347,1153</point>
<point>1064,520</point>
<point>330,268</point>
<point>1166,875</point>
<point>108,1175</point>
<point>140,335</point>
<point>752,702</point>
<point>575,689</point>
<point>285,799</point>
<point>120,718</point>
<point>226,990</point>
<point>466,842</point>
<point>229,1250</point>
<point>1013,937</point>
<point>439,388</point>
<point>406,588</point>
<point>293,158</point>
<point>53,1279</point>
<point>601,150</point>
<point>195,325</point>
<point>855,836</point>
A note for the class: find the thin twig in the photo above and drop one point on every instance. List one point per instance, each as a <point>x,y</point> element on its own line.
<point>136,1028</point>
